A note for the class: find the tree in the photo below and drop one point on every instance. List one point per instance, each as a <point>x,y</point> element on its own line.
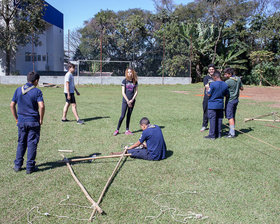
<point>21,21</point>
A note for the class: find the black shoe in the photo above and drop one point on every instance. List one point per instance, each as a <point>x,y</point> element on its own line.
<point>66,120</point>
<point>17,169</point>
<point>35,169</point>
<point>230,136</point>
<point>208,137</point>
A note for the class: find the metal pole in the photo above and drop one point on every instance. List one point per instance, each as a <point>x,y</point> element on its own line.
<point>78,72</point>
<point>68,45</point>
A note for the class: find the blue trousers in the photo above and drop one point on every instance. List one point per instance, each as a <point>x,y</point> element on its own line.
<point>139,153</point>
<point>216,120</point>
<point>28,137</point>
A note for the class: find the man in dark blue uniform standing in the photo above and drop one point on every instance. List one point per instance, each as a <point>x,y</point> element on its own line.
<point>217,91</point>
<point>29,117</point>
<point>154,148</point>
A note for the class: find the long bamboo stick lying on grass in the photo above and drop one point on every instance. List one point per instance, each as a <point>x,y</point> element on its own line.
<point>96,206</point>
<point>99,157</point>
<point>108,182</point>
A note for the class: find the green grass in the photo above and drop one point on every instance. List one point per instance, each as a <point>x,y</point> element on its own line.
<point>236,180</point>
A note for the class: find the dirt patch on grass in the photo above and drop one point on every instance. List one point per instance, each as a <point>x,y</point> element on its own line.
<point>263,94</point>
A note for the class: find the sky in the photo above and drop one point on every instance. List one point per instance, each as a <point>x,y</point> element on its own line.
<point>75,12</point>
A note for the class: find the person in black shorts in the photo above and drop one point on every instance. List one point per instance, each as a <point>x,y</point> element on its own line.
<point>234,84</point>
<point>129,92</point>
<point>69,89</point>
<point>206,82</point>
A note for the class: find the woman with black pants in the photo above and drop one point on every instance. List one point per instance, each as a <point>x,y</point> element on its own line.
<point>129,92</point>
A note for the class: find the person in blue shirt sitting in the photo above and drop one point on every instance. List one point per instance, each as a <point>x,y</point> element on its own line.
<point>29,118</point>
<point>151,145</point>
<point>217,91</point>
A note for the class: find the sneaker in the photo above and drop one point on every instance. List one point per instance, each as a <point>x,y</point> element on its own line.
<point>116,132</point>
<point>208,137</point>
<point>17,169</point>
<point>230,136</point>
<point>80,121</point>
<point>202,129</point>
<point>66,120</point>
<point>35,169</point>
<point>128,132</point>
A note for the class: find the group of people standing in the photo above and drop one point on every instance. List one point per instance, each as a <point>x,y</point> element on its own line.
<point>28,108</point>
<point>216,92</point>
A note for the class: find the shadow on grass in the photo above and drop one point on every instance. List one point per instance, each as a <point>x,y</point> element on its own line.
<point>140,130</point>
<point>225,130</point>
<point>59,163</point>
<point>94,118</point>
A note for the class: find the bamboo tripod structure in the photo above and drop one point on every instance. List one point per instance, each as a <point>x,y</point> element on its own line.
<point>82,187</point>
<point>274,114</point>
<point>95,205</point>
<point>107,184</point>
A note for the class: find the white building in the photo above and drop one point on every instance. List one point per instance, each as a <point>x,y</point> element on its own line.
<point>48,55</point>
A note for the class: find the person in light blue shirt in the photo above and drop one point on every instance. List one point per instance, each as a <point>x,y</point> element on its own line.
<point>217,91</point>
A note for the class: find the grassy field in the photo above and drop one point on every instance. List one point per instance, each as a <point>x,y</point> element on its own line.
<point>227,180</point>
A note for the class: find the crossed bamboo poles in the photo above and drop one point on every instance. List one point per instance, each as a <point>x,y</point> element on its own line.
<point>95,205</point>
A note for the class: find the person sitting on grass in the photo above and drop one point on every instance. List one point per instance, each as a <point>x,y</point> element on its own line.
<point>29,118</point>
<point>153,149</point>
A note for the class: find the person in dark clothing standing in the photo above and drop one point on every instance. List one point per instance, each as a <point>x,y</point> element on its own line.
<point>29,118</point>
<point>206,81</point>
<point>217,91</point>
<point>129,93</point>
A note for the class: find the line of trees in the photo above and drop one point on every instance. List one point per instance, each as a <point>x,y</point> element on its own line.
<point>181,40</point>
<point>21,22</point>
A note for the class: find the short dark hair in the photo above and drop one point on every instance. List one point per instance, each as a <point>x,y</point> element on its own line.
<point>32,77</point>
<point>217,74</point>
<point>145,121</point>
<point>211,66</point>
<point>70,65</point>
<point>229,71</point>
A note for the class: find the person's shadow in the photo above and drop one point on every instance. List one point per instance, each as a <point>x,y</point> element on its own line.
<point>140,130</point>
<point>225,130</point>
<point>59,163</point>
<point>94,118</point>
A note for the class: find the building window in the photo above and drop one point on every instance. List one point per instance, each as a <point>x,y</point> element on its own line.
<point>39,58</point>
<point>44,57</point>
<point>27,56</point>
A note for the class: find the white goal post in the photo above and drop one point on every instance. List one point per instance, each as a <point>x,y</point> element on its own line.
<point>101,68</point>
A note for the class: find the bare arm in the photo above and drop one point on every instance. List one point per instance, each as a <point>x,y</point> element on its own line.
<point>135,94</point>
<point>68,90</point>
<point>123,93</point>
<point>78,93</point>
<point>138,143</point>
<point>41,111</point>
<point>14,110</point>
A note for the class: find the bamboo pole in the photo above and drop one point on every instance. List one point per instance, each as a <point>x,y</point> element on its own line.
<point>99,157</point>
<point>261,116</point>
<point>266,120</point>
<point>96,206</point>
<point>107,184</point>
<point>62,150</point>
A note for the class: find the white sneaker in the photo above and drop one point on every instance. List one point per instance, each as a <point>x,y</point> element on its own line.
<point>202,129</point>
